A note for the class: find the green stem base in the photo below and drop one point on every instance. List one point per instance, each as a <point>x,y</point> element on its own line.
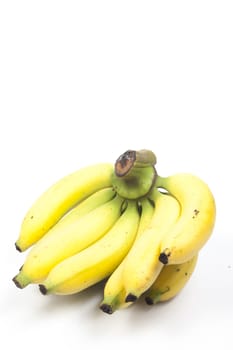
<point>21,281</point>
<point>136,184</point>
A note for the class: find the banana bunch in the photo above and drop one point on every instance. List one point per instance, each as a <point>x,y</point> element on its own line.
<point>124,224</point>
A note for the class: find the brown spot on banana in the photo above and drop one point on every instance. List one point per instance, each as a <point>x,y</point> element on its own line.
<point>195,213</point>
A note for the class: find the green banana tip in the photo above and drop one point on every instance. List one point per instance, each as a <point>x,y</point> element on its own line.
<point>106,308</point>
<point>42,289</point>
<point>17,283</point>
<point>21,280</point>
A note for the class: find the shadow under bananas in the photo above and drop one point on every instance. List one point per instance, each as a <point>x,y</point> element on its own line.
<point>84,300</point>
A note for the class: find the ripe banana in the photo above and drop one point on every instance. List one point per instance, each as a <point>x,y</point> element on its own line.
<point>170,281</point>
<point>197,218</point>
<point>114,292</point>
<point>90,203</point>
<point>68,237</point>
<point>96,262</point>
<point>142,265</point>
<point>59,199</point>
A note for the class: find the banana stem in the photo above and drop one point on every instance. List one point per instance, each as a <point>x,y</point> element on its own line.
<point>134,159</point>
<point>138,183</point>
<point>135,174</point>
<point>145,158</point>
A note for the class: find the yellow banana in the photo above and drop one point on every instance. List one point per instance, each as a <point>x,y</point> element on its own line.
<point>170,281</point>
<point>114,292</point>
<point>142,265</point>
<point>90,203</point>
<point>96,262</point>
<point>67,238</point>
<point>59,199</point>
<point>197,218</point>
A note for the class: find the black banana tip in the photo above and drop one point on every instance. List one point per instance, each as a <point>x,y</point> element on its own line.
<point>106,308</point>
<point>42,289</point>
<point>163,258</point>
<point>130,298</point>
<point>149,300</point>
<point>16,282</point>
<point>18,248</point>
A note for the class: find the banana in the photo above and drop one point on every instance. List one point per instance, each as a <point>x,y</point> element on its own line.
<point>170,281</point>
<point>197,218</point>
<point>114,292</point>
<point>96,262</point>
<point>67,238</point>
<point>90,203</point>
<point>142,265</point>
<point>59,199</point>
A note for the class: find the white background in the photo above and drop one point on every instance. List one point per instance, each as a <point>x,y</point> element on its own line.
<point>81,82</point>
